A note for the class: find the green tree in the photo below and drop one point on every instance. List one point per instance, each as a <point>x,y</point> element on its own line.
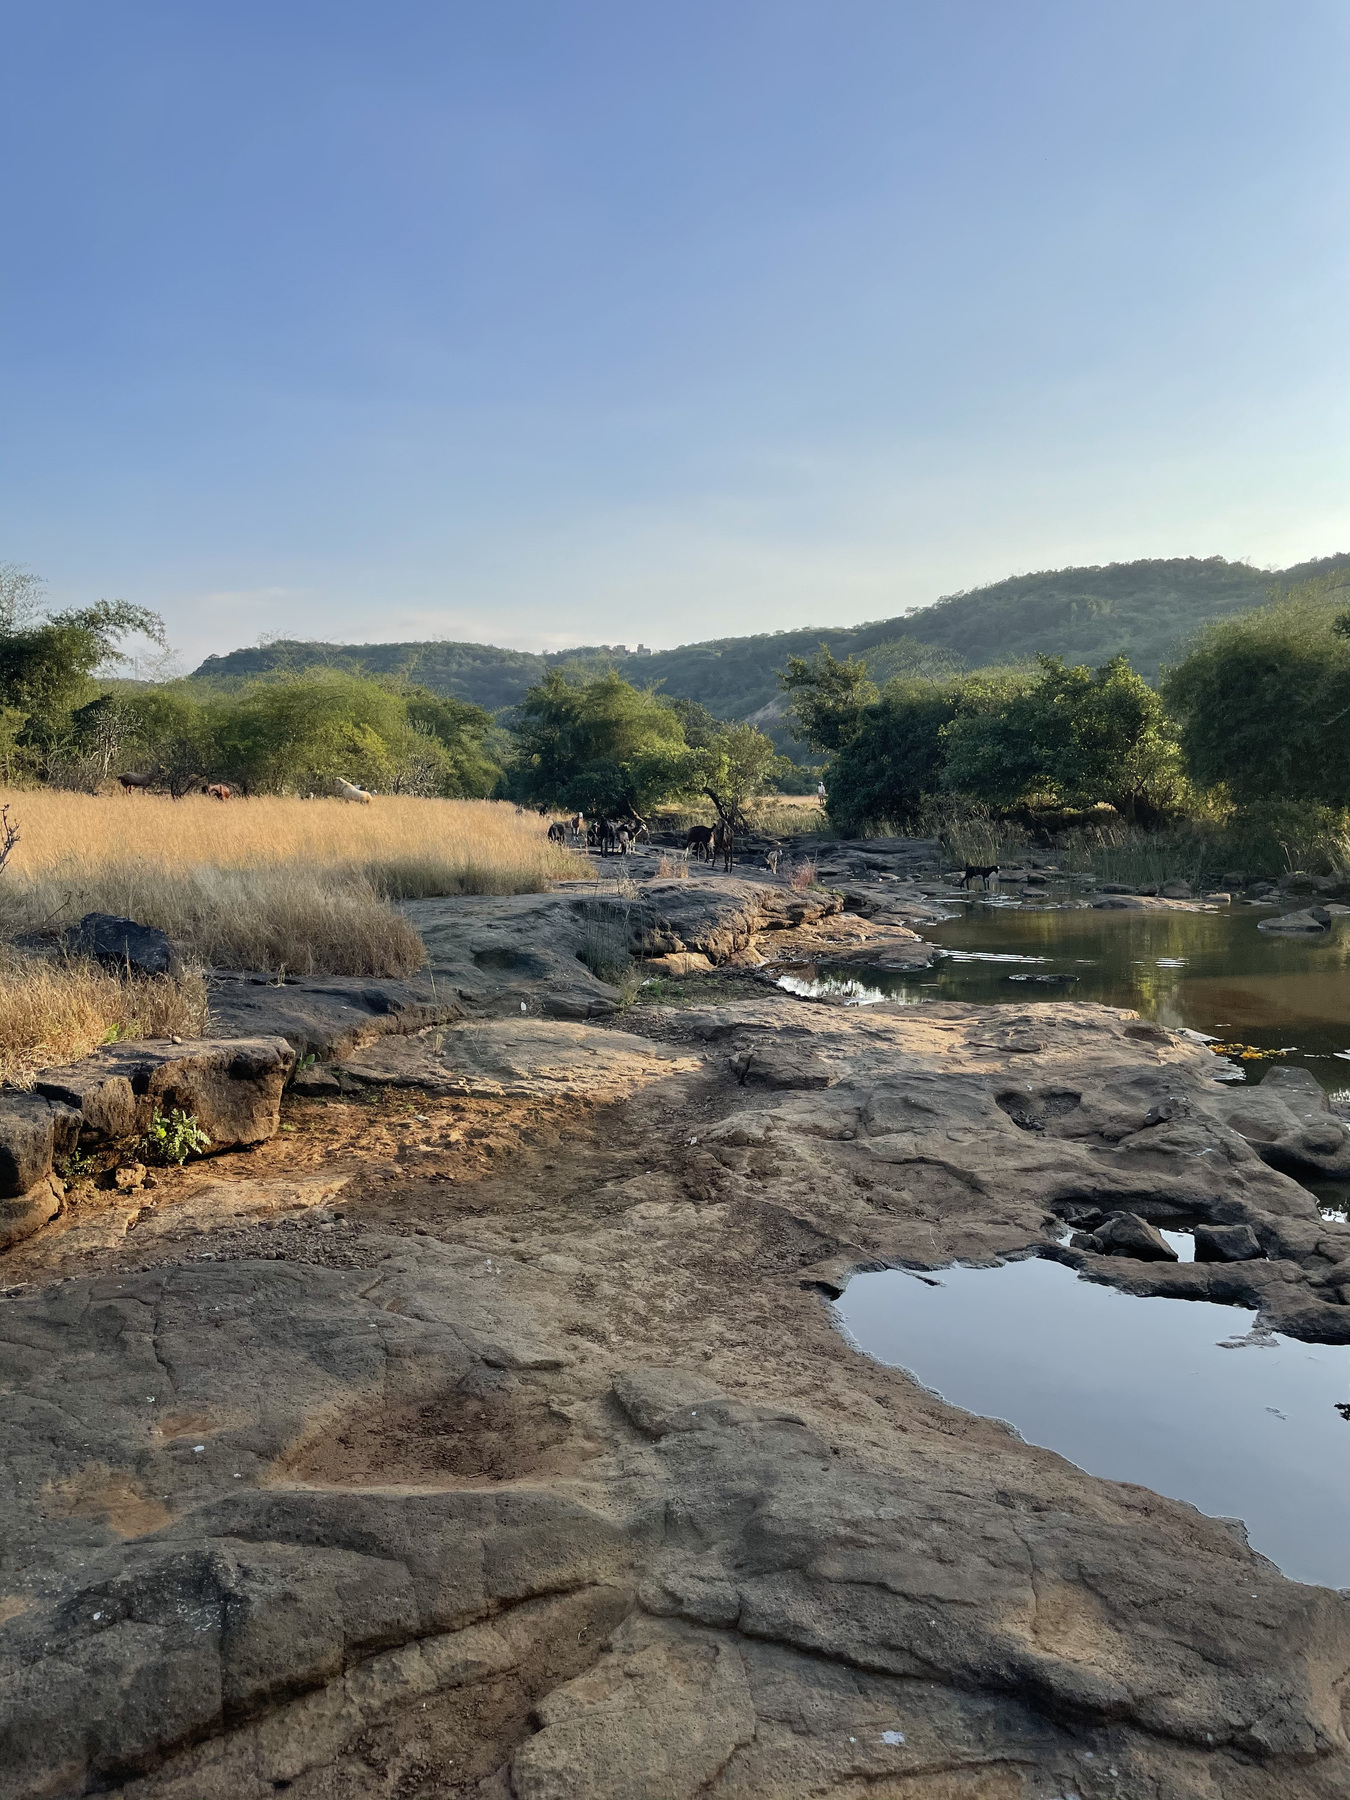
<point>893,760</point>
<point>598,744</point>
<point>467,769</point>
<point>1264,703</point>
<point>298,734</point>
<point>1066,737</point>
<point>828,697</point>
<point>734,766</point>
<point>46,668</point>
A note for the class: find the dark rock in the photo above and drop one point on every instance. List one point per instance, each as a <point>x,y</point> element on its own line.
<point>231,1086</point>
<point>1226,1243</point>
<point>1115,887</point>
<point>32,1132</point>
<point>125,944</point>
<point>1126,1234</point>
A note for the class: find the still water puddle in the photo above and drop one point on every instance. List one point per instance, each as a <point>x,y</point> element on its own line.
<point>1179,1396</point>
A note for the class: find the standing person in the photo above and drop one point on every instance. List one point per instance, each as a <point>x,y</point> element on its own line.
<point>820,792</point>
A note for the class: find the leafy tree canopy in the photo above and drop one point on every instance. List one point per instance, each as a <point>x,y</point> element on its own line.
<point>600,745</point>
<point>1067,737</point>
<point>1264,702</point>
<point>828,697</point>
<point>893,761</point>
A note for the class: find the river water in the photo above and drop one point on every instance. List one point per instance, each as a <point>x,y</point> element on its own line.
<point>1212,972</point>
<point>1179,1396</point>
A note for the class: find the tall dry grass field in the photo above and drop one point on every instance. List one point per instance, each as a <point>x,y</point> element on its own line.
<point>269,884</point>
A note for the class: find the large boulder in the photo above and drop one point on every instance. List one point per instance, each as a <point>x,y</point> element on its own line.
<point>1312,920</point>
<point>232,1086</point>
<point>125,944</point>
<point>1289,1123</point>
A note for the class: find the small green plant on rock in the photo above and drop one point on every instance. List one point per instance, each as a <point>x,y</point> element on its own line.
<point>175,1138</point>
<point>75,1165</point>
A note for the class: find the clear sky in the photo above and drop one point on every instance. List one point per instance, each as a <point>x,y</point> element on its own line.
<point>571,321</point>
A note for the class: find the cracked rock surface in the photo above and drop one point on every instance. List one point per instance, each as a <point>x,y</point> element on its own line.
<point>500,1443</point>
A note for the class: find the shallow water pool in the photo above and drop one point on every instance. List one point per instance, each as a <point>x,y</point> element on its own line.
<point>1213,972</point>
<point>1179,1396</point>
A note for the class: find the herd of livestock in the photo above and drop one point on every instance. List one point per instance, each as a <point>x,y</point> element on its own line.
<point>617,837</point>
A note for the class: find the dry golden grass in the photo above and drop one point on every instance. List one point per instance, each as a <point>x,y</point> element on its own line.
<point>301,885</point>
<point>53,1011</point>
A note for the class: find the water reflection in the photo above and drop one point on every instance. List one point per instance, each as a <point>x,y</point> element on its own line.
<point>1211,972</point>
<point>1178,1396</point>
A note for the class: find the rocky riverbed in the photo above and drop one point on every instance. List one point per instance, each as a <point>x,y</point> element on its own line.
<point>486,1430</point>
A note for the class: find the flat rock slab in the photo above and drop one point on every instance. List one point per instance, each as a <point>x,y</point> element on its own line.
<point>276,1527</point>
<point>326,1016</point>
<point>518,1058</point>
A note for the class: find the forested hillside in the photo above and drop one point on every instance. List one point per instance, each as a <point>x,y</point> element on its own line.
<point>1144,610</point>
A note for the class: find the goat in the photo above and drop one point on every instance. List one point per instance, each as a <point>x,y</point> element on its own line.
<point>772,860</point>
<point>350,791</point>
<point>218,791</point>
<point>624,839</point>
<point>557,834</point>
<point>577,826</point>
<point>130,783</point>
<point>699,839</point>
<point>724,844</point>
<point>983,870</point>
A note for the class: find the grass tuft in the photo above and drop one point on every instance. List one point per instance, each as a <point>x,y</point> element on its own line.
<point>53,1011</point>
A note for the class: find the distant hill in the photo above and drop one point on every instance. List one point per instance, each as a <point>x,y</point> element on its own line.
<point>1146,610</point>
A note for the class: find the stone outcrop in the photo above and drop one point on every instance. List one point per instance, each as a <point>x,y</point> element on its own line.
<point>578,1491</point>
<point>232,1086</point>
<point>1289,1123</point>
<point>496,1059</point>
<point>1311,921</point>
<point>274,1526</point>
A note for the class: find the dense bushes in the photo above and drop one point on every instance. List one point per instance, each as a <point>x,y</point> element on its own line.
<point>1264,703</point>
<point>1046,737</point>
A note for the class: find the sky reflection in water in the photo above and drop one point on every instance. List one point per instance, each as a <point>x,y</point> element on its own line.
<point>1135,1390</point>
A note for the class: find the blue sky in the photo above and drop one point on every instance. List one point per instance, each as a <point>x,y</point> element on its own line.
<point>550,323</point>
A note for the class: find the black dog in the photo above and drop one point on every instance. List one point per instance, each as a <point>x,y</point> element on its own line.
<point>973,869</point>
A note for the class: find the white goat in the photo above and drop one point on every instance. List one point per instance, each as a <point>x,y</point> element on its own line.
<point>350,791</point>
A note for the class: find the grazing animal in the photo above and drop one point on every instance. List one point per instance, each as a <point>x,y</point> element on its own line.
<point>983,870</point>
<point>724,845</point>
<point>218,791</point>
<point>350,791</point>
<point>700,840</point>
<point>772,860</point>
<point>130,783</point>
<point>608,834</point>
<point>623,837</point>
<point>577,825</point>
<point>557,834</point>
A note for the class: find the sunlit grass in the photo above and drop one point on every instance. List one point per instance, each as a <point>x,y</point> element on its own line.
<point>272,883</point>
